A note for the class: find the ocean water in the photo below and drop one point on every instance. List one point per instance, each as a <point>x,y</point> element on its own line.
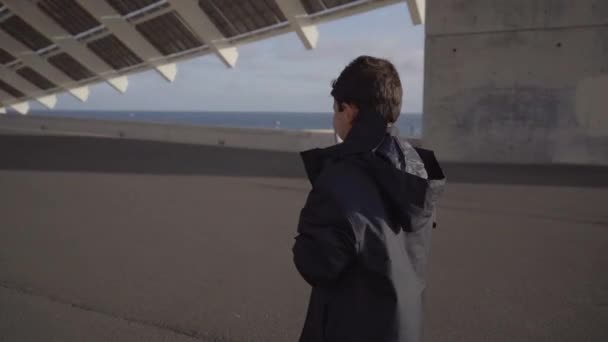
<point>409,124</point>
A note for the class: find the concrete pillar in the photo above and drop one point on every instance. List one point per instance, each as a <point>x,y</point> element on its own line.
<point>518,81</point>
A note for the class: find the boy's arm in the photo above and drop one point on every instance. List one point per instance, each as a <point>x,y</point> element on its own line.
<point>325,243</point>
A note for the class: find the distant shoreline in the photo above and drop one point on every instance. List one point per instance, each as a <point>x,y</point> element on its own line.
<point>409,124</point>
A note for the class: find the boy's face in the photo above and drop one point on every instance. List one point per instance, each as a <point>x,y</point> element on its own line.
<point>344,117</point>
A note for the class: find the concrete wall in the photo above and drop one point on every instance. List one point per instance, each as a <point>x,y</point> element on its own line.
<point>518,81</point>
<point>249,138</point>
<point>258,139</point>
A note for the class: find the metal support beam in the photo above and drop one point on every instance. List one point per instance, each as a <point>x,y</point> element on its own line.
<point>296,14</point>
<point>124,31</point>
<point>81,93</point>
<point>21,107</point>
<point>29,12</point>
<point>49,101</point>
<point>200,23</point>
<point>40,65</point>
<point>417,11</point>
<point>169,71</point>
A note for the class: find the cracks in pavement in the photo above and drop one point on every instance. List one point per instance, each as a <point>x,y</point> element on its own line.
<point>191,333</point>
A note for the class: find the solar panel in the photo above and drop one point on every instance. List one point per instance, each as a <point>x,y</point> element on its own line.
<point>5,57</point>
<point>125,7</point>
<point>270,11</point>
<point>69,15</point>
<point>313,6</point>
<point>36,79</point>
<point>336,3</point>
<point>169,34</point>
<point>172,27</point>
<point>114,52</point>
<point>7,88</point>
<point>23,32</point>
<point>70,66</point>
<point>241,16</point>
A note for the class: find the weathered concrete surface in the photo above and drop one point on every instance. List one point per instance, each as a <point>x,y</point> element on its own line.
<point>234,137</point>
<point>26,317</point>
<point>251,138</point>
<point>517,81</point>
<point>120,254</point>
<point>475,16</point>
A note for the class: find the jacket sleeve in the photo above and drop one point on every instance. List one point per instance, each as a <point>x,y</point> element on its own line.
<point>325,243</point>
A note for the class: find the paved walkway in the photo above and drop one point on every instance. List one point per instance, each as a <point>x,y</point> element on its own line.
<point>119,254</point>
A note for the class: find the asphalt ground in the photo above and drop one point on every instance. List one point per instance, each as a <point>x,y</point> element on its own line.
<point>120,240</point>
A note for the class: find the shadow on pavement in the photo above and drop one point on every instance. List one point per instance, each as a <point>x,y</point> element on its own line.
<point>104,155</point>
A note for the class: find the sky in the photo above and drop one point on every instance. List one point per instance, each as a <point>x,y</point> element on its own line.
<point>277,74</point>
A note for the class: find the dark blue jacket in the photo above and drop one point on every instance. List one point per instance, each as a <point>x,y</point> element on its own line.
<point>364,236</point>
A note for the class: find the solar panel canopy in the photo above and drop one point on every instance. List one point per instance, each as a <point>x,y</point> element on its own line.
<point>53,46</point>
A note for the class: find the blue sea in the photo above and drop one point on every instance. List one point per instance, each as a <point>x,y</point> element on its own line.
<point>409,124</point>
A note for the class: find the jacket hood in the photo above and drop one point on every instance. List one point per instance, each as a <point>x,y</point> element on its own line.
<point>410,179</point>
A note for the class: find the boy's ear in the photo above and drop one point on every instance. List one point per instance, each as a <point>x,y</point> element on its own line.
<point>351,110</point>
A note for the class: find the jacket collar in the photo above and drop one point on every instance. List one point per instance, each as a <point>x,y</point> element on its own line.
<point>367,133</point>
